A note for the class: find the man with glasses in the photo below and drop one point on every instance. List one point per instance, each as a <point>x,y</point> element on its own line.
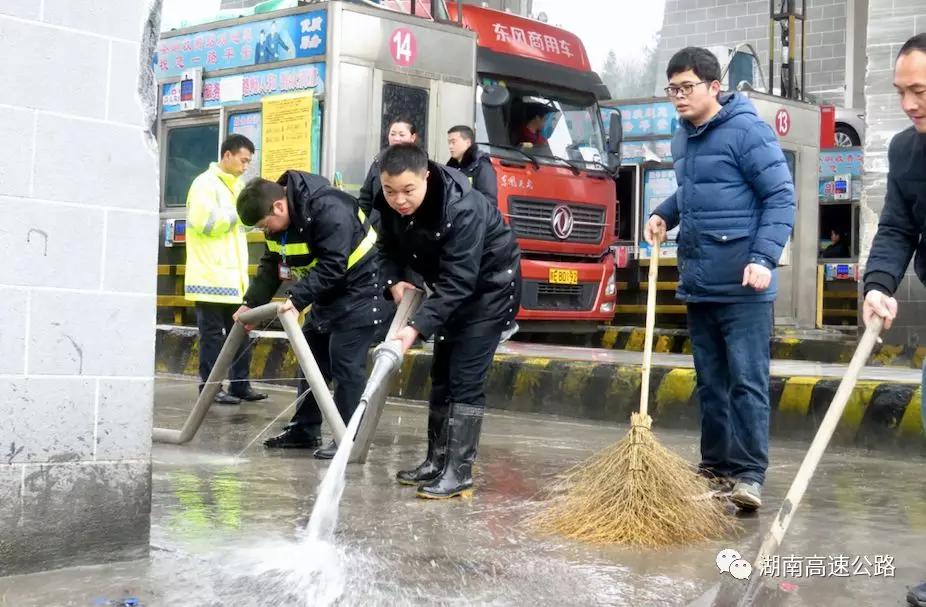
<point>735,209</point>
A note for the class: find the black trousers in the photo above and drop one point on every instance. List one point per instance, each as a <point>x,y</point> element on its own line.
<point>215,321</point>
<point>342,358</point>
<point>459,370</point>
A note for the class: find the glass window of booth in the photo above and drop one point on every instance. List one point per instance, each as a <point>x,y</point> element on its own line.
<point>408,101</point>
<point>190,149</point>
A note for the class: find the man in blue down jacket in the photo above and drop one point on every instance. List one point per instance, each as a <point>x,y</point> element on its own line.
<point>735,209</point>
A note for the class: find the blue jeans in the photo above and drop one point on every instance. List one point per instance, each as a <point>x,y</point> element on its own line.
<point>730,342</point>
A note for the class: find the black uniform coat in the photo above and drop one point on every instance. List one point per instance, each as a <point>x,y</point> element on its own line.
<point>463,250</point>
<point>902,227</point>
<point>326,220</point>
<point>477,165</point>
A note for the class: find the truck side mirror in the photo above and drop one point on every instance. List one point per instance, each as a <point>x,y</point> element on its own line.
<point>615,133</point>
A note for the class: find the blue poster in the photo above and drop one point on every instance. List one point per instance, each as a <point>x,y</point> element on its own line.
<point>290,37</point>
<point>840,174</point>
<point>638,152</point>
<point>658,184</point>
<point>657,119</point>
<point>253,85</point>
<point>249,125</point>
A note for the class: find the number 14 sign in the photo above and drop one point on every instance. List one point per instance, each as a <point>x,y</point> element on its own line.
<point>403,47</point>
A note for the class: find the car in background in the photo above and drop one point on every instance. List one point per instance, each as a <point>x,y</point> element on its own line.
<point>850,127</point>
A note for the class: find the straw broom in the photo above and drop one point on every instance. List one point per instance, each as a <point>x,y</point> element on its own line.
<point>636,492</point>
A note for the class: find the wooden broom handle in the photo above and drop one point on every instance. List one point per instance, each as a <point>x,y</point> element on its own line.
<point>650,325</point>
<point>820,441</point>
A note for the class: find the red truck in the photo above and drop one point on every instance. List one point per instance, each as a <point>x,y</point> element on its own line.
<point>558,192</point>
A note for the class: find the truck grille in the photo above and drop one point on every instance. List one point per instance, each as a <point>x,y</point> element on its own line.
<point>532,219</point>
<point>538,295</point>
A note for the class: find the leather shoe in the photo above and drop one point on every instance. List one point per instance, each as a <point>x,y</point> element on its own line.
<point>294,437</point>
<point>250,395</point>
<point>326,452</point>
<point>224,398</point>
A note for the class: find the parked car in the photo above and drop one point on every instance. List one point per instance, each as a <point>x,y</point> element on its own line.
<point>850,127</point>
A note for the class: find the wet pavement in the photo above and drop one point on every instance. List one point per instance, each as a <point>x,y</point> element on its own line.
<point>226,531</point>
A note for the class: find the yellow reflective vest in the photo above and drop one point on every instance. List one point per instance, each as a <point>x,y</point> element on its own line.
<point>216,248</point>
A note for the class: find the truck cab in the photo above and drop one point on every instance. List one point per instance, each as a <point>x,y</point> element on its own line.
<point>537,115</point>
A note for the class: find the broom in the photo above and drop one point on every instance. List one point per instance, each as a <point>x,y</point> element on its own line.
<point>636,492</point>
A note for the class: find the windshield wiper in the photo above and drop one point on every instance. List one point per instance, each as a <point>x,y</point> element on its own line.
<point>513,149</point>
<point>576,169</point>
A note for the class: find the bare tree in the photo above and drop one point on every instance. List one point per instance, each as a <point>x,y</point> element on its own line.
<point>631,78</point>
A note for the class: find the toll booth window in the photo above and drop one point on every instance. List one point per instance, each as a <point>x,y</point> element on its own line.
<point>839,191</point>
<point>190,149</point>
<point>405,101</point>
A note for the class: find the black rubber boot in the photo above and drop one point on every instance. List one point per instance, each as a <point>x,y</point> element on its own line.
<point>457,476</point>
<point>437,448</point>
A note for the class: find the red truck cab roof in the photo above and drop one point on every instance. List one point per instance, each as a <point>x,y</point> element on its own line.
<point>510,34</point>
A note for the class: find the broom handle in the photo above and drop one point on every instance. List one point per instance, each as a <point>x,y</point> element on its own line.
<point>773,538</point>
<point>650,324</point>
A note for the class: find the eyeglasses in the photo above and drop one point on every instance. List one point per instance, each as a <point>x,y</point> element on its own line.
<point>685,89</point>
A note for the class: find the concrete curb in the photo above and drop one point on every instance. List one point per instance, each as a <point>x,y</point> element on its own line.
<point>880,415</point>
<point>785,345</point>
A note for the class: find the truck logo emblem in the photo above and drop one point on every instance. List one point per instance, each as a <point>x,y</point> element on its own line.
<point>562,222</point>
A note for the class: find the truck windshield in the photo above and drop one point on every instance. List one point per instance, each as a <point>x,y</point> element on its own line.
<point>546,125</point>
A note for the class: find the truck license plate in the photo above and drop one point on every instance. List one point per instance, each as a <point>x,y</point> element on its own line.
<point>564,277</point>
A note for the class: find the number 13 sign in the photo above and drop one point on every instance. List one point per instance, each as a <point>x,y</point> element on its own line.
<point>403,47</point>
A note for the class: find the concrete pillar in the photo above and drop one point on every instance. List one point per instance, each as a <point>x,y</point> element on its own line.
<point>890,24</point>
<point>856,40</point>
<point>79,201</point>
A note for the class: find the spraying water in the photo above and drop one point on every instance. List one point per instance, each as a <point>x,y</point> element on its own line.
<point>313,570</point>
<point>325,512</point>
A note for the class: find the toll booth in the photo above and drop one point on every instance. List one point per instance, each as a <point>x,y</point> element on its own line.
<point>318,99</point>
<point>647,178</point>
<point>797,125</point>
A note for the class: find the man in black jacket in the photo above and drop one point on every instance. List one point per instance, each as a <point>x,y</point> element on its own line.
<point>318,237</point>
<point>472,162</point>
<point>902,227</point>
<point>436,225</point>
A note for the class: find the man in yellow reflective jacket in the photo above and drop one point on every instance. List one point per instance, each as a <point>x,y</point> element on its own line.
<point>217,263</point>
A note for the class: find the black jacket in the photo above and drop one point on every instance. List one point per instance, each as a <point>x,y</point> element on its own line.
<point>370,188</point>
<point>477,165</point>
<point>463,250</point>
<point>325,220</point>
<point>902,227</point>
